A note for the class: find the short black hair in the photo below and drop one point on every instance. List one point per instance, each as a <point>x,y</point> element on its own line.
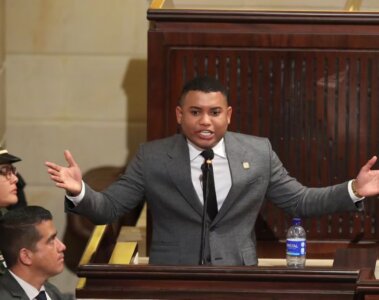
<point>18,230</point>
<point>204,84</point>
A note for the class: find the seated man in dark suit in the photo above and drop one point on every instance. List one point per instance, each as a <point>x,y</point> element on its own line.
<point>32,252</point>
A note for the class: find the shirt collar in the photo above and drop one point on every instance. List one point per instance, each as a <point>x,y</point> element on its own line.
<point>218,149</point>
<point>30,290</point>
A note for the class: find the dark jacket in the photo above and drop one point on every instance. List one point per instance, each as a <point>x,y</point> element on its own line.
<point>10,289</point>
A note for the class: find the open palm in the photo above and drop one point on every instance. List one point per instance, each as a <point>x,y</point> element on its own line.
<point>68,178</point>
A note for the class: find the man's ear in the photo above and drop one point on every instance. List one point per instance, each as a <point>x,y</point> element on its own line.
<point>229,114</point>
<point>25,256</point>
<point>179,114</point>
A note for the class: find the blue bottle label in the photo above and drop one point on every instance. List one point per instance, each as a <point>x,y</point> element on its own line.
<point>296,247</point>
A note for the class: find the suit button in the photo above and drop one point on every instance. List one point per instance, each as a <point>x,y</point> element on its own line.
<point>212,229</point>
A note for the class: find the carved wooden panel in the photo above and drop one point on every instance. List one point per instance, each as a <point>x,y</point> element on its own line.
<point>317,108</point>
<point>310,84</point>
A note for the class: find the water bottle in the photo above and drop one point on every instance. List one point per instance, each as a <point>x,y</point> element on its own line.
<point>296,245</point>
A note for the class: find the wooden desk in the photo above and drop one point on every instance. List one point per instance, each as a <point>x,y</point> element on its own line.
<point>199,282</point>
<point>270,280</point>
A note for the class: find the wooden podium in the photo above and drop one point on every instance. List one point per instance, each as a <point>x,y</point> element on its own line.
<point>104,280</point>
<point>163,282</point>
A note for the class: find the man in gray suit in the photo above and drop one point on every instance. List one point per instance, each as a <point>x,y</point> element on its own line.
<point>167,173</point>
<point>33,253</point>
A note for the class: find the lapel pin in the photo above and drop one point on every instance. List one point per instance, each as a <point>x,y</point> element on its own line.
<point>246,165</point>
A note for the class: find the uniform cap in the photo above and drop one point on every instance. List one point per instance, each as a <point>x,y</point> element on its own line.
<point>7,158</point>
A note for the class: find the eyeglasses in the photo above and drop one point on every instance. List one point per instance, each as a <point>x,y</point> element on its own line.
<point>8,171</point>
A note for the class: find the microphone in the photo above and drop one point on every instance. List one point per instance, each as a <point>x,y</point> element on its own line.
<point>208,155</point>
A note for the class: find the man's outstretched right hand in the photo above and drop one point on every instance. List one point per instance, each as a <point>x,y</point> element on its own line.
<point>68,178</point>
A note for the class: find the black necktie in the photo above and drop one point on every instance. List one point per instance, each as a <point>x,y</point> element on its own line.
<point>41,296</point>
<point>209,191</point>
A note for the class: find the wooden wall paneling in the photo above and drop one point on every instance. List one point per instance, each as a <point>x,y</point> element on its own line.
<point>308,83</point>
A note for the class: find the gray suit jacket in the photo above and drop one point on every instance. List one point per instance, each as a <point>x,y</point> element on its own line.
<point>11,290</point>
<point>160,173</point>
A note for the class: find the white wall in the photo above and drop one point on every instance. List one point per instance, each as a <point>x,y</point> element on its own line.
<point>76,79</point>
<point>2,73</point>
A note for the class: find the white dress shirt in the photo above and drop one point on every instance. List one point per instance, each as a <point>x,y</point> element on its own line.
<point>221,171</point>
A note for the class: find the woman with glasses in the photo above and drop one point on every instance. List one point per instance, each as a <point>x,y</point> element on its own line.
<point>8,187</point>
<point>8,179</point>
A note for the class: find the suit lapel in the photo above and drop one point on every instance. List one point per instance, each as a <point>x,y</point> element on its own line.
<point>236,157</point>
<point>179,169</point>
<point>13,287</point>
